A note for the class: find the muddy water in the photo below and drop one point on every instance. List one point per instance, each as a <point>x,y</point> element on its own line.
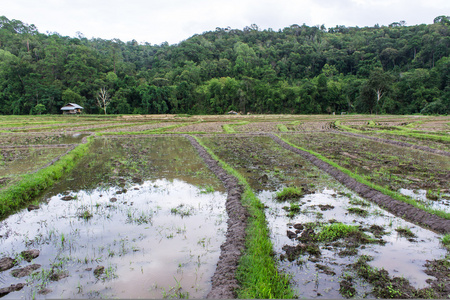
<point>157,238</point>
<point>399,256</point>
<point>442,201</point>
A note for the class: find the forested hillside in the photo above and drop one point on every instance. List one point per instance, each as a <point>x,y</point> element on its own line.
<point>382,69</point>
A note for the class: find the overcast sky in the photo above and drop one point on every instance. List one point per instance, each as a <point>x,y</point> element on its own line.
<point>157,21</point>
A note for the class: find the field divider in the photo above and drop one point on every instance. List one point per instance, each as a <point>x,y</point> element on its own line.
<point>31,185</point>
<point>246,267</point>
<point>399,205</point>
<point>406,132</point>
<point>396,143</point>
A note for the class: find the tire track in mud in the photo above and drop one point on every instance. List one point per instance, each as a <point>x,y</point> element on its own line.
<point>398,208</point>
<point>397,143</point>
<point>224,282</point>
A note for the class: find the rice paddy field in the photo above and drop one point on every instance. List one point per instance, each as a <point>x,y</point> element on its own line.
<point>254,206</point>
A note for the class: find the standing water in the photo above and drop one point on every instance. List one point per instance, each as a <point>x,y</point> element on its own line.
<point>155,238</point>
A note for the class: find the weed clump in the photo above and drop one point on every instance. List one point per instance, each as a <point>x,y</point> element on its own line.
<point>446,240</point>
<point>405,232</point>
<point>292,210</point>
<point>335,231</point>
<point>289,193</point>
<point>358,211</point>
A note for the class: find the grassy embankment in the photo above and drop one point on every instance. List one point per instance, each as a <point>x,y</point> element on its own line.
<point>31,185</point>
<point>257,272</point>
<point>362,179</point>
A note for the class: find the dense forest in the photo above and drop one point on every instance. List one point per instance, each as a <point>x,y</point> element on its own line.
<point>395,69</point>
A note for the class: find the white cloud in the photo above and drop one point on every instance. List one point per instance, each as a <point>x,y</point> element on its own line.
<point>156,21</point>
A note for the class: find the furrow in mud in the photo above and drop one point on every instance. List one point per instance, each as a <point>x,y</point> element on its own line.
<point>224,282</point>
<point>397,143</point>
<point>398,208</point>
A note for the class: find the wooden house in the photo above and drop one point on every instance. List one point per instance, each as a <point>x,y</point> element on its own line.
<point>71,108</point>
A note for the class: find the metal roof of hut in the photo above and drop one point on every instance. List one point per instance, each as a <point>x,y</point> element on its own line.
<point>71,106</point>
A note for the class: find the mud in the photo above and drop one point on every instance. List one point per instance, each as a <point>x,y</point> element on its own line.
<point>398,143</point>
<point>224,282</point>
<point>12,288</point>
<point>396,207</point>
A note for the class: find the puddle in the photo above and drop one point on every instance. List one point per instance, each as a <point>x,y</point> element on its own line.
<point>441,202</point>
<point>161,238</point>
<point>399,256</point>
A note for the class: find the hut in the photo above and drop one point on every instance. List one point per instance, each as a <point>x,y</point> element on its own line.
<point>71,108</point>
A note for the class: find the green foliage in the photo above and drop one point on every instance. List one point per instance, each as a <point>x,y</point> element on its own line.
<point>335,231</point>
<point>299,69</point>
<point>293,209</point>
<point>289,193</point>
<point>446,240</point>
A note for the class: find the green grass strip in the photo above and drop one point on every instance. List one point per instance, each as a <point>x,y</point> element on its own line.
<point>257,272</point>
<point>363,180</point>
<point>31,185</point>
<point>228,128</point>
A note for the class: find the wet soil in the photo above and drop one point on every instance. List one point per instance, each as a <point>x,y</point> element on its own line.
<point>323,263</point>
<point>396,207</point>
<point>386,165</point>
<point>399,143</point>
<point>20,161</point>
<point>224,281</point>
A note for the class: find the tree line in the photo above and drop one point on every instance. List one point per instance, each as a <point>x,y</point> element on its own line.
<point>394,69</point>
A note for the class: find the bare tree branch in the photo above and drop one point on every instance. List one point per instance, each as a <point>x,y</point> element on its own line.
<point>103,99</point>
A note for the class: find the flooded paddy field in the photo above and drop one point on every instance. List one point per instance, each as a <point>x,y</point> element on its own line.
<point>387,165</point>
<point>142,216</point>
<point>139,218</point>
<point>333,243</point>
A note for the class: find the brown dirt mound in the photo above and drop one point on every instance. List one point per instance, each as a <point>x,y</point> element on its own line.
<point>224,282</point>
<point>398,208</point>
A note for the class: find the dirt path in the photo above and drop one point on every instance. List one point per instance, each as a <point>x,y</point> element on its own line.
<point>397,143</point>
<point>224,281</point>
<point>398,208</point>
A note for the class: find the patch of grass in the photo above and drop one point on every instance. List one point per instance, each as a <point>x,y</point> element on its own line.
<point>257,273</point>
<point>31,185</point>
<point>335,231</point>
<point>85,215</point>
<point>182,210</point>
<point>358,211</point>
<point>405,232</point>
<point>446,240</point>
<point>289,193</point>
<point>431,195</point>
<point>207,189</point>
<point>282,128</point>
<point>292,210</point>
